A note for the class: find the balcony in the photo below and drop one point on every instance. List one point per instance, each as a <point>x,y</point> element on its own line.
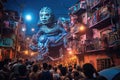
<point>114,38</point>
<point>98,45</point>
<point>8,27</point>
<point>78,8</point>
<point>102,23</point>
<point>93,45</point>
<point>98,3</point>
<point>8,21</point>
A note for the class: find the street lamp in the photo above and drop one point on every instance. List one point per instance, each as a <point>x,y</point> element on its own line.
<point>82,28</point>
<point>23,29</point>
<point>28,38</point>
<point>33,29</point>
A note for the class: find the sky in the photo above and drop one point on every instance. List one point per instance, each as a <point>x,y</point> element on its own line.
<point>32,7</point>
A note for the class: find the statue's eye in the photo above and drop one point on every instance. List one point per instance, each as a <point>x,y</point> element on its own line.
<point>47,14</point>
<point>41,15</point>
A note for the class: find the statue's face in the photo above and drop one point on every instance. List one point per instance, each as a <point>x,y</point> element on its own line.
<point>45,15</point>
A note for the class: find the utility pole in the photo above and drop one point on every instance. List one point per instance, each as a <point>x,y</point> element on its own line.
<point>18,27</point>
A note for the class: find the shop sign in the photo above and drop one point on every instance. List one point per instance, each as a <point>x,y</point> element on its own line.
<point>6,42</point>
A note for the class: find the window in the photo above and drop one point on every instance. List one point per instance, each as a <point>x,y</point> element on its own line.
<point>103,63</point>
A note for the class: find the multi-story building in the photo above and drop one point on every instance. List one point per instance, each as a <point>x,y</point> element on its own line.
<point>11,34</point>
<point>100,44</point>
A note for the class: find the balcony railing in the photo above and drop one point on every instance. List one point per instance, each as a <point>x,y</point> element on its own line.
<point>98,44</point>
<point>94,44</point>
<point>91,45</point>
<point>79,7</point>
<point>114,38</point>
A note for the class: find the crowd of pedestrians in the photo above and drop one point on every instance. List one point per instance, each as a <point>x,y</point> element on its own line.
<point>29,70</point>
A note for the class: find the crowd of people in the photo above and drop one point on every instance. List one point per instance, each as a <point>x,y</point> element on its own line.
<point>34,70</point>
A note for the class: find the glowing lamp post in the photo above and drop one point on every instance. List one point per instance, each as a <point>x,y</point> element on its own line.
<point>33,29</point>
<point>82,28</point>
<point>27,38</point>
<point>23,29</point>
<point>26,52</point>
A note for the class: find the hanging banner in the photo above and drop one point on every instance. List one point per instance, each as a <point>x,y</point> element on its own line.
<point>6,42</point>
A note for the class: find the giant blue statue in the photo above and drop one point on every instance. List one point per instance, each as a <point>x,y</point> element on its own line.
<point>49,39</point>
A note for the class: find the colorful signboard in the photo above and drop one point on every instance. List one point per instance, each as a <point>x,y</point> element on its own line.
<point>6,42</point>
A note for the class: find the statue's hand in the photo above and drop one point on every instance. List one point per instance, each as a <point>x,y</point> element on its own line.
<point>43,50</point>
<point>33,47</point>
<point>43,47</point>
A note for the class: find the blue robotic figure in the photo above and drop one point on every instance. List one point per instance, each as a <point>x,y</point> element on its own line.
<point>49,38</point>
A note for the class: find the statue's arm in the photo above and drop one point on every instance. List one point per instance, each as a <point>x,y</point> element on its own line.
<point>61,35</point>
<point>34,42</point>
<point>33,47</point>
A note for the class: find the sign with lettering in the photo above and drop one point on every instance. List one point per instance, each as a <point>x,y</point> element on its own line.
<point>6,42</point>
